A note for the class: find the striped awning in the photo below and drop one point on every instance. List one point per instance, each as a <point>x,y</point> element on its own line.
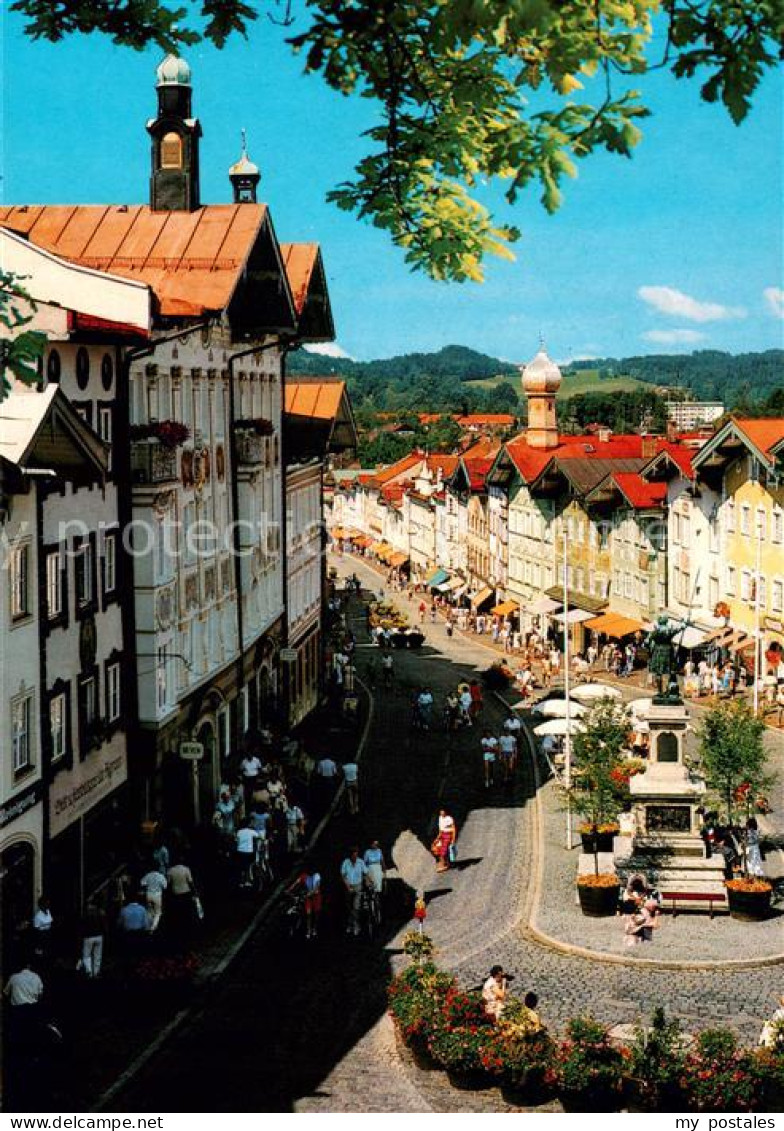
<point>481,597</point>
<point>436,577</point>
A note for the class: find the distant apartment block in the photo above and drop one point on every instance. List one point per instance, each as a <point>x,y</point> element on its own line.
<point>691,414</point>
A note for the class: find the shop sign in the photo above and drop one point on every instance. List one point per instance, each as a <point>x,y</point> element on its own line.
<point>74,792</point>
<point>192,751</point>
<point>21,804</point>
<point>288,655</point>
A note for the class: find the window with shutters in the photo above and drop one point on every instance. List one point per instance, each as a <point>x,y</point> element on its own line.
<point>20,582</point>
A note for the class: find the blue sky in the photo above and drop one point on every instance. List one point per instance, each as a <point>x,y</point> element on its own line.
<point>677,249</point>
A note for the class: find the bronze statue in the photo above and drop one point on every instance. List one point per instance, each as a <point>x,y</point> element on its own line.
<point>663,654</point>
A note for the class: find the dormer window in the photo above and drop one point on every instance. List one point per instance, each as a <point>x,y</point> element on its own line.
<point>171,151</point>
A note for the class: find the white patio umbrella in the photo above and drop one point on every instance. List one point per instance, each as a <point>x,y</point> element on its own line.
<point>559,726</point>
<point>640,707</point>
<point>595,691</point>
<point>557,709</point>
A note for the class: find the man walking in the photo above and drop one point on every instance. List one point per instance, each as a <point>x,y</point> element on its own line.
<point>154,884</point>
<point>351,778</point>
<point>352,873</point>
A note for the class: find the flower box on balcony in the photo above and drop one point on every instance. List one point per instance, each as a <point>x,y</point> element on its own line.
<point>153,462</point>
<point>249,447</point>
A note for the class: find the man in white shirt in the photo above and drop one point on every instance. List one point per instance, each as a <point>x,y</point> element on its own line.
<point>489,751</point>
<point>154,884</point>
<point>513,725</point>
<point>24,987</point>
<point>246,852</point>
<point>351,778</point>
<point>295,826</point>
<point>352,873</point>
<point>507,750</point>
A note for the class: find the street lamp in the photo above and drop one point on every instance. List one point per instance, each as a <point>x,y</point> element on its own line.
<point>567,690</point>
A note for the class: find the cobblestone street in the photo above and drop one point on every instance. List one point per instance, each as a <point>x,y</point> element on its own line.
<point>302,1027</point>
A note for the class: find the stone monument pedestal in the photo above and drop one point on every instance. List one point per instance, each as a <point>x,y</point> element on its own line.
<point>667,845</point>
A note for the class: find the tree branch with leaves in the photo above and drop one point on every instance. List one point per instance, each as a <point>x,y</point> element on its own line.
<point>20,349</point>
<point>469,92</point>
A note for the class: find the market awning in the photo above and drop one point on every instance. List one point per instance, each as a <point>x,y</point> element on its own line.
<point>543,605</point>
<point>690,637</point>
<point>376,546</point>
<point>452,584</point>
<point>614,624</point>
<point>363,540</point>
<point>338,532</point>
<point>505,609</point>
<point>480,598</point>
<point>574,616</point>
<point>445,586</point>
<point>592,605</point>
<point>436,577</point>
<point>398,559</point>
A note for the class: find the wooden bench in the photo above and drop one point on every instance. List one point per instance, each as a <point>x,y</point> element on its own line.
<point>675,897</point>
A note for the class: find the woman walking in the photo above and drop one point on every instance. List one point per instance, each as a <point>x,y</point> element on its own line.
<point>444,844</point>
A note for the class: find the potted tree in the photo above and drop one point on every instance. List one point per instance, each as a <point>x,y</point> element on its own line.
<point>733,763</point>
<point>590,1067</point>
<point>598,755</point>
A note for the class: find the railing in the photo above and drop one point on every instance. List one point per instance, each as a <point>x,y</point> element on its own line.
<point>152,462</point>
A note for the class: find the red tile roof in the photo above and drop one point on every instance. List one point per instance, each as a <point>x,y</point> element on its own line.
<point>193,261</point>
<point>640,494</point>
<point>477,470</point>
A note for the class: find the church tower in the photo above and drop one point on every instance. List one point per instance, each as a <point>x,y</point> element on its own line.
<point>174,184</point>
<point>244,177</point>
<point>541,381</point>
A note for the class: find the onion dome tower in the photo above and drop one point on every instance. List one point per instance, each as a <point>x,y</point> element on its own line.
<point>244,177</point>
<point>541,381</point>
<point>174,183</point>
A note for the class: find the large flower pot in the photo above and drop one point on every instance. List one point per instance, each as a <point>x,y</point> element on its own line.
<point>590,1099</point>
<point>598,902</point>
<point>750,906</point>
<point>415,639</point>
<point>604,842</point>
<point>469,1079</point>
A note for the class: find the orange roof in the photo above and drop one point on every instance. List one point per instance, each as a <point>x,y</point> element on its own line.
<point>482,449</point>
<point>193,261</point>
<point>765,433</point>
<point>317,399</point>
<point>385,474</point>
<point>300,260</point>
<point>499,419</point>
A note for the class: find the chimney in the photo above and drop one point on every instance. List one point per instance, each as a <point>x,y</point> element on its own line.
<point>604,434</point>
<point>672,431</point>
<point>648,447</point>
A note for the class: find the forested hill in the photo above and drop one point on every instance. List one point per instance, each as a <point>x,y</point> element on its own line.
<point>460,379</point>
<point>454,362</point>
<point>708,374</point>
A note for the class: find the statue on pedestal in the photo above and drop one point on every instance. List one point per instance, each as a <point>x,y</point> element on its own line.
<point>663,658</point>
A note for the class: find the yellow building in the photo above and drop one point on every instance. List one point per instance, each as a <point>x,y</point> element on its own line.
<point>743,463</point>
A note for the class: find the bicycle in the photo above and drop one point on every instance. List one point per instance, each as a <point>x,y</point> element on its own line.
<point>294,913</point>
<point>370,910</point>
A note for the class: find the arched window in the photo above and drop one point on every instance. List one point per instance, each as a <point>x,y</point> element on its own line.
<point>53,368</point>
<point>107,371</point>
<point>82,368</point>
<point>171,151</point>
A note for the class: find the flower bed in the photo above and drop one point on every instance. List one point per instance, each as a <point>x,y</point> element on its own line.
<point>587,1070</point>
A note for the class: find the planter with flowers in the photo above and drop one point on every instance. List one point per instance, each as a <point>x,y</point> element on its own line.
<point>154,450</point>
<point>416,1000</point>
<point>719,1076</point>
<point>460,1036</point>
<point>599,751</point>
<point>522,1057</point>
<point>656,1065</point>
<point>258,425</point>
<point>734,762</point>
<point>748,897</point>
<point>591,1069</point>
